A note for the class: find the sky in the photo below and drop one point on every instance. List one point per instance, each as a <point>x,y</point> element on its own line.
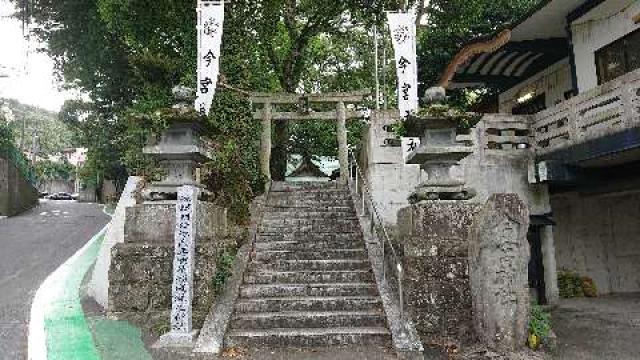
<point>29,75</point>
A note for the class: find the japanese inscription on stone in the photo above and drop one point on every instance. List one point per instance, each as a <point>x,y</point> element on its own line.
<point>183,261</point>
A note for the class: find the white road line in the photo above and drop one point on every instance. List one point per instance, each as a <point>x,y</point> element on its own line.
<point>37,340</point>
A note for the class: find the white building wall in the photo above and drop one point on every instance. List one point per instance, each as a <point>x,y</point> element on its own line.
<point>390,179</point>
<point>603,25</point>
<point>554,81</point>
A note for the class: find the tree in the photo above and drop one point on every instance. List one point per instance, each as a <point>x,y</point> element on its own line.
<point>453,23</point>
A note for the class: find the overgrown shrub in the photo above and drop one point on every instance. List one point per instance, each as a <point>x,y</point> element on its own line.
<point>589,287</point>
<point>569,284</point>
<point>539,326</point>
<point>224,263</point>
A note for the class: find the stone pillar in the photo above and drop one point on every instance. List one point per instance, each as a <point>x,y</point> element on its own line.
<point>498,263</point>
<point>343,150</point>
<point>549,262</point>
<point>265,142</point>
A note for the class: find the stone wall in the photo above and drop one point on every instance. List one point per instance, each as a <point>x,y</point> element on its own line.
<point>433,236</point>
<point>16,193</point>
<point>599,236</point>
<point>391,181</point>
<point>140,275</point>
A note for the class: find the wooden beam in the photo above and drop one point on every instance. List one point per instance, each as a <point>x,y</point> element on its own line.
<point>324,115</point>
<point>286,98</point>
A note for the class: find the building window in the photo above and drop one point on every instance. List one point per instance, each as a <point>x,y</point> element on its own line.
<point>618,58</point>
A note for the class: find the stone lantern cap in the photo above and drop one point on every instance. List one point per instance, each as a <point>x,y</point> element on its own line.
<point>437,140</point>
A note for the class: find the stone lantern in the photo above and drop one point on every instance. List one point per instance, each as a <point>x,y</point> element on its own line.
<point>180,149</point>
<point>437,154</point>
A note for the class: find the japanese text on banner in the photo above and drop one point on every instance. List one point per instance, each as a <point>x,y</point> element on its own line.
<point>210,23</point>
<point>403,37</point>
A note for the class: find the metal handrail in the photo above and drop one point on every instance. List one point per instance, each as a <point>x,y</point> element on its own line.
<point>258,222</point>
<point>355,175</point>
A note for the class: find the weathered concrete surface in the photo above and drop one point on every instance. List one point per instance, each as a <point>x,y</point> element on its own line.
<point>99,283</point>
<point>599,237</point>
<point>390,180</point>
<point>603,328</point>
<point>140,275</point>
<point>434,239</point>
<point>16,193</point>
<point>498,262</point>
<point>140,281</point>
<point>154,223</point>
<point>33,245</point>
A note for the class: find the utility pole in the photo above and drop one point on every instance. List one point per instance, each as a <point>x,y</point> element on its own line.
<point>376,55</point>
<point>35,146</point>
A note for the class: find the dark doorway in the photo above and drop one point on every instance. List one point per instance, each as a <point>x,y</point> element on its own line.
<point>536,266</point>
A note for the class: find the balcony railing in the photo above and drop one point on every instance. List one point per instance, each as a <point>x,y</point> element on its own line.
<point>608,109</point>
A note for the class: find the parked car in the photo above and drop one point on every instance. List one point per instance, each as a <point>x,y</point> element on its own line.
<point>43,194</point>
<point>60,196</point>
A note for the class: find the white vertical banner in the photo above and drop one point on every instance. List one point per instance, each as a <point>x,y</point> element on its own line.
<point>402,26</point>
<point>210,22</point>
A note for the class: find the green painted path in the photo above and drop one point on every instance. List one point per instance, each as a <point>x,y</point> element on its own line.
<point>70,335</point>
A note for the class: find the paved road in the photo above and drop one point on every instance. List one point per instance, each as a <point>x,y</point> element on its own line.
<point>33,245</point>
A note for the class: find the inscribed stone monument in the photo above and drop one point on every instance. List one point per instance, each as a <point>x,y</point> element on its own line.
<point>498,261</point>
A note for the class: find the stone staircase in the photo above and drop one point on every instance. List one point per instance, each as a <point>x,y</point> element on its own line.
<point>310,282</point>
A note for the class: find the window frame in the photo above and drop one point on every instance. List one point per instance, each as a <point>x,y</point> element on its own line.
<point>624,43</point>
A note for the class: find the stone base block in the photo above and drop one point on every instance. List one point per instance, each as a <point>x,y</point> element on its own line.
<point>175,339</point>
<point>154,223</point>
<point>434,238</point>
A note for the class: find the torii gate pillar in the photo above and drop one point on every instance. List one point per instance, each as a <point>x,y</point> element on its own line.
<point>343,150</point>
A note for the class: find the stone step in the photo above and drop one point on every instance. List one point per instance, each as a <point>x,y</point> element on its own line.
<point>309,337</point>
<point>304,237</point>
<point>312,215</point>
<point>309,303</point>
<point>304,186</point>
<point>308,319</point>
<point>314,226</point>
<point>295,210</point>
<point>315,223</point>
<point>314,205</point>
<point>310,265</point>
<point>315,290</point>
<point>309,245</point>
<point>330,254</point>
<point>312,277</point>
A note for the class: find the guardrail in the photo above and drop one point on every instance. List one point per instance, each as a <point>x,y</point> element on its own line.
<point>607,109</point>
<point>390,256</point>
<point>14,156</point>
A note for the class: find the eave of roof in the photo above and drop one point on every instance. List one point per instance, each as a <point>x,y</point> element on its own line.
<point>473,55</point>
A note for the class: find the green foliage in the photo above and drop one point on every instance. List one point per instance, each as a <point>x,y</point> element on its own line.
<point>50,170</point>
<point>539,322</point>
<point>53,135</point>
<point>570,284</point>
<point>224,263</point>
<point>234,173</point>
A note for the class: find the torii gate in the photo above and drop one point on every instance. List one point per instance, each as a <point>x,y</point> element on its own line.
<point>341,114</point>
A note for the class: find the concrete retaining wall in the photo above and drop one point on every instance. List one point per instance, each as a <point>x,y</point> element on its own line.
<point>16,193</point>
<point>599,237</point>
